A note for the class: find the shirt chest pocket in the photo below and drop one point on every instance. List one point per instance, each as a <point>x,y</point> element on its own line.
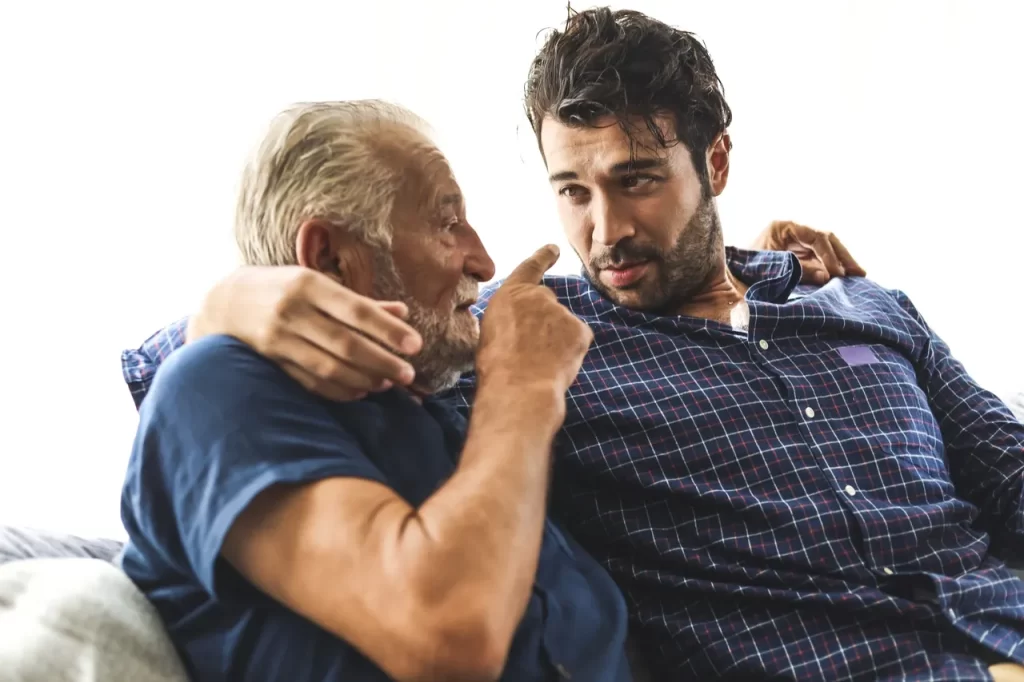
<point>870,394</point>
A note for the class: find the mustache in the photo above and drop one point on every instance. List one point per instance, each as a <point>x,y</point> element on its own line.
<point>624,252</point>
<point>468,290</point>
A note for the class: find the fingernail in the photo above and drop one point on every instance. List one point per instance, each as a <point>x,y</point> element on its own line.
<point>385,386</point>
<point>410,344</point>
<point>842,271</point>
<point>407,375</point>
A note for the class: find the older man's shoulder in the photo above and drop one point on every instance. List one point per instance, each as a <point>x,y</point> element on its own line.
<point>219,370</point>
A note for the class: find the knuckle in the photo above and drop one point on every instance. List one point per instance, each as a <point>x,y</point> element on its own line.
<point>284,306</point>
<point>269,334</point>
<point>322,370</point>
<point>334,372</point>
<point>297,284</point>
<point>344,345</point>
<point>360,312</point>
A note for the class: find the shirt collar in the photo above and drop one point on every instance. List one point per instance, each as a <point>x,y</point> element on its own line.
<point>771,275</point>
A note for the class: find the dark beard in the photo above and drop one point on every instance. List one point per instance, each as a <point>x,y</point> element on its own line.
<point>682,271</point>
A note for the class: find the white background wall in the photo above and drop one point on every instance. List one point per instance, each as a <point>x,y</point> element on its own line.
<point>124,126</point>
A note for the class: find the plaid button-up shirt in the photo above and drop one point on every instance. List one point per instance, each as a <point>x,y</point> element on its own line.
<point>822,496</point>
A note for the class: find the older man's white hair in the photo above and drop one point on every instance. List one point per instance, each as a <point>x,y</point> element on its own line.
<point>331,161</point>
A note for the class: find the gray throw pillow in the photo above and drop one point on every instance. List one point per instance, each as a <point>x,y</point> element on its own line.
<point>27,543</point>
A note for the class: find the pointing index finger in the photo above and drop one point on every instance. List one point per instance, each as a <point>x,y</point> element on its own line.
<point>531,270</point>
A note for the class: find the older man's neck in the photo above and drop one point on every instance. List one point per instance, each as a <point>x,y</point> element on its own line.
<point>719,298</point>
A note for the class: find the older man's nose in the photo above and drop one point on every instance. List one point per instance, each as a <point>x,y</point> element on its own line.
<point>484,270</point>
<point>478,264</point>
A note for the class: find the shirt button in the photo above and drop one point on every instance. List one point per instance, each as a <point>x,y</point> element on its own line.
<point>809,412</point>
<point>763,344</point>
<point>952,614</point>
<point>562,671</point>
<point>850,490</point>
<point>888,571</point>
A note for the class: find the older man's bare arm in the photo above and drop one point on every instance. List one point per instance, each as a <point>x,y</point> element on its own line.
<point>435,592</point>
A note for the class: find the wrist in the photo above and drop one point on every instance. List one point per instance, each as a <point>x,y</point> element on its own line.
<point>538,405</point>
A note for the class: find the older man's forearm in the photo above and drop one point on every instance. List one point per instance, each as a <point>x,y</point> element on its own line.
<point>479,536</point>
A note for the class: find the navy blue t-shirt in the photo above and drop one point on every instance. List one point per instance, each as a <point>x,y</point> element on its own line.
<point>222,424</point>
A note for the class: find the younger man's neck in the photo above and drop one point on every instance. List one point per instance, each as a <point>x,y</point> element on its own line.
<point>720,295</point>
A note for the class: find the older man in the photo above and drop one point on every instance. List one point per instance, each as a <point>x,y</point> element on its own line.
<point>284,537</point>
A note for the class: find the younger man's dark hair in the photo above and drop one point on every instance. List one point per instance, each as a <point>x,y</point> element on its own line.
<point>624,64</point>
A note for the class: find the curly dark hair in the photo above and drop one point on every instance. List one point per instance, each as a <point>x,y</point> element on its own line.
<point>625,64</point>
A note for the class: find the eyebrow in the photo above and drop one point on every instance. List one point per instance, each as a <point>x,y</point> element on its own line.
<point>453,199</point>
<point>617,169</point>
<point>438,202</point>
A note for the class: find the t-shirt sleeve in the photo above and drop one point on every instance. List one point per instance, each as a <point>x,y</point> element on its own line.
<point>220,425</point>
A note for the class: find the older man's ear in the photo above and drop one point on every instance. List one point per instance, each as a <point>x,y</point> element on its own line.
<point>330,249</point>
<point>324,331</point>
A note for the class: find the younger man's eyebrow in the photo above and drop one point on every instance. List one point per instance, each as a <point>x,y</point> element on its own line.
<point>627,166</point>
<point>639,165</point>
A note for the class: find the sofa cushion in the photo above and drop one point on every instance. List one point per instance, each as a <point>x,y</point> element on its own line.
<point>28,543</point>
<point>72,620</point>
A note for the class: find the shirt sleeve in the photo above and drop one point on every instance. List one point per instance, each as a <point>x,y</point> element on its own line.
<point>221,425</point>
<point>984,442</point>
<point>139,365</point>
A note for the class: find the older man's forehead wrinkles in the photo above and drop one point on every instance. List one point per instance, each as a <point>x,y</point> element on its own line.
<point>433,178</point>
